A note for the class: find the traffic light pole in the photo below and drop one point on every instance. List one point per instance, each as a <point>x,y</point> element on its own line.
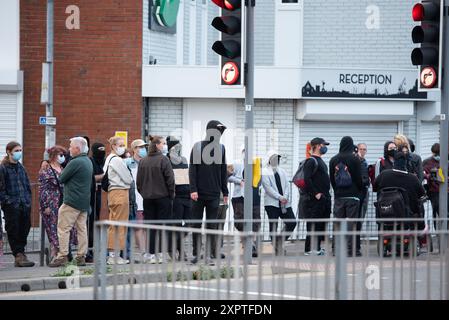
<point>50,131</point>
<point>249,126</point>
<point>444,130</point>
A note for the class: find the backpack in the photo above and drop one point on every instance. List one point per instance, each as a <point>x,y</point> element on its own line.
<point>392,203</point>
<point>105,179</point>
<point>372,170</point>
<point>298,178</point>
<point>343,178</point>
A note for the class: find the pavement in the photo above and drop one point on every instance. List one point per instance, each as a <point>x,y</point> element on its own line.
<point>36,279</point>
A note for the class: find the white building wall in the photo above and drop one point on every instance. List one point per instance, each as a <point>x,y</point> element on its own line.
<point>336,33</point>
<point>165,116</point>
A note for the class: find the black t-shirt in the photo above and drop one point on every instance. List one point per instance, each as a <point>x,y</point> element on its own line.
<point>318,182</point>
<point>401,179</point>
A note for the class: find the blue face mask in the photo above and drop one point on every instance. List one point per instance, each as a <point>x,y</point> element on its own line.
<point>129,162</point>
<point>323,150</point>
<point>437,158</point>
<point>143,152</point>
<point>17,155</point>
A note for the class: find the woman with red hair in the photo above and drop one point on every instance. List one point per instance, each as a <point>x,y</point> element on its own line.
<point>50,196</point>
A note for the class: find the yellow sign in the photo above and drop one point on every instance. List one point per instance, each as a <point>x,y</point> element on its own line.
<point>257,171</point>
<point>440,175</point>
<point>124,135</point>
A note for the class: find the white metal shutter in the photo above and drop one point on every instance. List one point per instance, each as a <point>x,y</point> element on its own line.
<point>374,134</point>
<point>430,134</point>
<point>8,120</point>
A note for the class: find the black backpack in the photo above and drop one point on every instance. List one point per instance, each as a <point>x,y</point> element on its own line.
<point>105,179</point>
<point>342,176</point>
<point>392,203</point>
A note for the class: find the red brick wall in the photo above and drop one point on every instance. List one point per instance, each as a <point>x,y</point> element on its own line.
<point>97,72</point>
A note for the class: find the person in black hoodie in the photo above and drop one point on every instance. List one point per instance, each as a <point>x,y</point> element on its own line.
<point>182,204</point>
<point>346,180</point>
<point>385,163</point>
<point>207,177</point>
<point>98,157</point>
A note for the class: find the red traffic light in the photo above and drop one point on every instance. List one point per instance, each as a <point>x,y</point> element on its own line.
<point>425,11</point>
<point>418,12</point>
<point>230,5</point>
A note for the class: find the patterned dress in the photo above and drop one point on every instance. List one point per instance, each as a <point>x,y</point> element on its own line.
<point>49,194</point>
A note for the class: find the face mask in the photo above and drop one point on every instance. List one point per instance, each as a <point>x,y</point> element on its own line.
<point>165,149</point>
<point>437,158</point>
<point>129,162</point>
<point>391,153</point>
<point>120,151</point>
<point>323,150</point>
<point>61,159</point>
<point>143,153</point>
<point>17,155</point>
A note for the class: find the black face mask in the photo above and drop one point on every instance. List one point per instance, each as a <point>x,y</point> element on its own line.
<point>391,153</point>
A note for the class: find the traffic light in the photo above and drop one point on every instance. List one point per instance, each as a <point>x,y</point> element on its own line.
<point>429,35</point>
<point>231,45</point>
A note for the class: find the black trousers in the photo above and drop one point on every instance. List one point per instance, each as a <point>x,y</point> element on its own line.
<point>346,208</point>
<point>211,207</point>
<point>312,229</point>
<point>182,210</point>
<point>17,225</point>
<point>93,216</point>
<point>157,209</point>
<point>275,213</point>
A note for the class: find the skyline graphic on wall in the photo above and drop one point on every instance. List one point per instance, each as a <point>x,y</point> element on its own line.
<point>320,91</point>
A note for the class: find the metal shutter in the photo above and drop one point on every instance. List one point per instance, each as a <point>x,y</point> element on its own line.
<point>430,134</point>
<point>8,120</point>
<point>374,134</point>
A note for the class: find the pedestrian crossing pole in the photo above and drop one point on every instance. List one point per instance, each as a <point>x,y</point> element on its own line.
<point>444,129</point>
<point>249,126</point>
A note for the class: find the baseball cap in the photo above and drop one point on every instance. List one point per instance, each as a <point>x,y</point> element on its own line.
<point>138,143</point>
<point>316,141</point>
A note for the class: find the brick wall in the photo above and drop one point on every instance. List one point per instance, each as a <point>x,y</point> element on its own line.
<point>97,72</point>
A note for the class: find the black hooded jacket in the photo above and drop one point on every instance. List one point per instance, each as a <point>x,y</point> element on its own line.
<point>347,157</point>
<point>208,169</point>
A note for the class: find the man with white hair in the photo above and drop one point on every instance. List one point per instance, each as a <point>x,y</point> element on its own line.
<point>77,179</point>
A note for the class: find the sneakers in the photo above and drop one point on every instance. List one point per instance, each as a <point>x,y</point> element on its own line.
<point>21,260</point>
<point>163,258</point>
<point>116,260</point>
<point>80,261</point>
<point>58,262</point>
<point>322,252</point>
<point>308,253</point>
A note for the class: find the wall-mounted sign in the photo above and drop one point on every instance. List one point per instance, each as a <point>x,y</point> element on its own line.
<point>163,15</point>
<point>323,83</point>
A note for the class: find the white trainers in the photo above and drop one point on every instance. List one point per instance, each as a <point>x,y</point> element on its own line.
<point>163,258</point>
<point>116,260</point>
<point>151,259</point>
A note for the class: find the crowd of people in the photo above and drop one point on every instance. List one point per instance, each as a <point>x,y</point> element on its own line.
<point>154,182</point>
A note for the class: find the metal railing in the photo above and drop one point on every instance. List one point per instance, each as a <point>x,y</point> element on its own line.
<point>37,237</point>
<point>404,263</point>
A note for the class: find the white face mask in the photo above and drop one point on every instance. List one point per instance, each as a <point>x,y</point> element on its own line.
<point>120,151</point>
<point>61,159</point>
<point>165,149</point>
